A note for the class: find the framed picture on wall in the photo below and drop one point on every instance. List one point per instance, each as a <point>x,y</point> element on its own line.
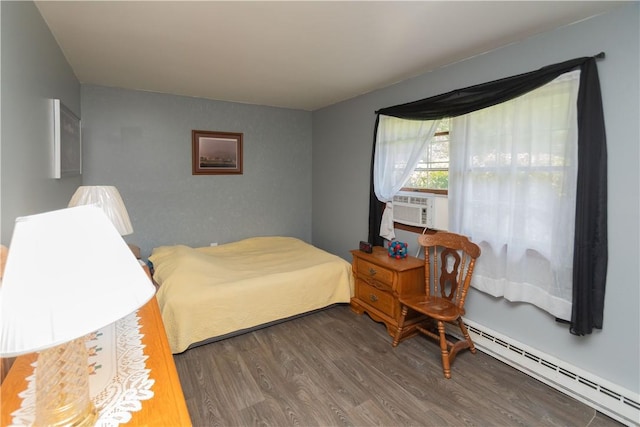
<point>67,142</point>
<point>216,153</point>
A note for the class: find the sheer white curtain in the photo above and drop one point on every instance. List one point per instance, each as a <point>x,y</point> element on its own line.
<point>512,189</point>
<point>400,144</point>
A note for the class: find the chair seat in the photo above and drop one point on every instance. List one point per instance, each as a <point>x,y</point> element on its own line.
<point>434,307</point>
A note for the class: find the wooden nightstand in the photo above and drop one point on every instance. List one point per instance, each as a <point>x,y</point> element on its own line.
<point>380,280</point>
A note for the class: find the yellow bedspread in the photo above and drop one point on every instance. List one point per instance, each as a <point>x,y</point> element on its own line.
<point>212,291</point>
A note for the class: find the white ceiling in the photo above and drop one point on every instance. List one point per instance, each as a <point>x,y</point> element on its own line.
<point>294,54</point>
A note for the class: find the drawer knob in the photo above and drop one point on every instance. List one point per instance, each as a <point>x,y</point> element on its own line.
<point>372,272</point>
<point>373,298</point>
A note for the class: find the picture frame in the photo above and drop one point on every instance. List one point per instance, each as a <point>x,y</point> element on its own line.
<point>67,142</point>
<point>216,153</point>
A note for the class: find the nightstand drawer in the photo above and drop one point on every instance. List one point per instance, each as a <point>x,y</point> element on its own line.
<point>376,298</point>
<point>370,270</point>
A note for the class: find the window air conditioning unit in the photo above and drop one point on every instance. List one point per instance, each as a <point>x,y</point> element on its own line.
<point>419,210</point>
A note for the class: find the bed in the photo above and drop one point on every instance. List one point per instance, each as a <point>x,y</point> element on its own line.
<point>210,293</point>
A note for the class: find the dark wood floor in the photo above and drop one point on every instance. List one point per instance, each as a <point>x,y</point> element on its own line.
<point>335,368</point>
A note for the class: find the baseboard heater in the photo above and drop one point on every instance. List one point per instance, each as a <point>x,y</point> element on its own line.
<point>610,399</point>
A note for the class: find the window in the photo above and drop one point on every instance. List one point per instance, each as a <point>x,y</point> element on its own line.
<point>510,179</point>
<point>589,211</point>
<point>432,172</point>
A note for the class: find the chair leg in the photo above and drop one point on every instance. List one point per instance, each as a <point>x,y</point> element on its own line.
<point>403,314</point>
<point>444,349</point>
<point>465,333</point>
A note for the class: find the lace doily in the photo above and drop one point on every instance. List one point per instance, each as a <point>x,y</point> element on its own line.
<point>118,380</point>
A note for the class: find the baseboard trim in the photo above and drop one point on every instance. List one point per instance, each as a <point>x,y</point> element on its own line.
<point>610,399</point>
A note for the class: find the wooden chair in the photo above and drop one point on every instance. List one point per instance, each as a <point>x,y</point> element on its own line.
<point>449,261</point>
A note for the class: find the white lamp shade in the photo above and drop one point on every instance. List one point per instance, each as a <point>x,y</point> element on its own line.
<point>108,198</point>
<point>68,273</point>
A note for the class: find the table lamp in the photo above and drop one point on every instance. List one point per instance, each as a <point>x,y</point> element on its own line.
<point>108,198</point>
<point>68,274</point>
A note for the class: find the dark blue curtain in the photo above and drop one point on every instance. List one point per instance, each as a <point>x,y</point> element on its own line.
<point>590,257</point>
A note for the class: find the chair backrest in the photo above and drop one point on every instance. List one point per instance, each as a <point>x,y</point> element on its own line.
<point>449,260</point>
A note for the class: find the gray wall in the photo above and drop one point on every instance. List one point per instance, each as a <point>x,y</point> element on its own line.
<point>342,136</point>
<point>141,143</point>
<point>34,71</point>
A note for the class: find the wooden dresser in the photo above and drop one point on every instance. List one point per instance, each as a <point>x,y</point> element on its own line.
<point>166,408</point>
<point>380,280</point>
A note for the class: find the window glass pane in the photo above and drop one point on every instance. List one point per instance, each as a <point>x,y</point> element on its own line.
<point>432,172</point>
